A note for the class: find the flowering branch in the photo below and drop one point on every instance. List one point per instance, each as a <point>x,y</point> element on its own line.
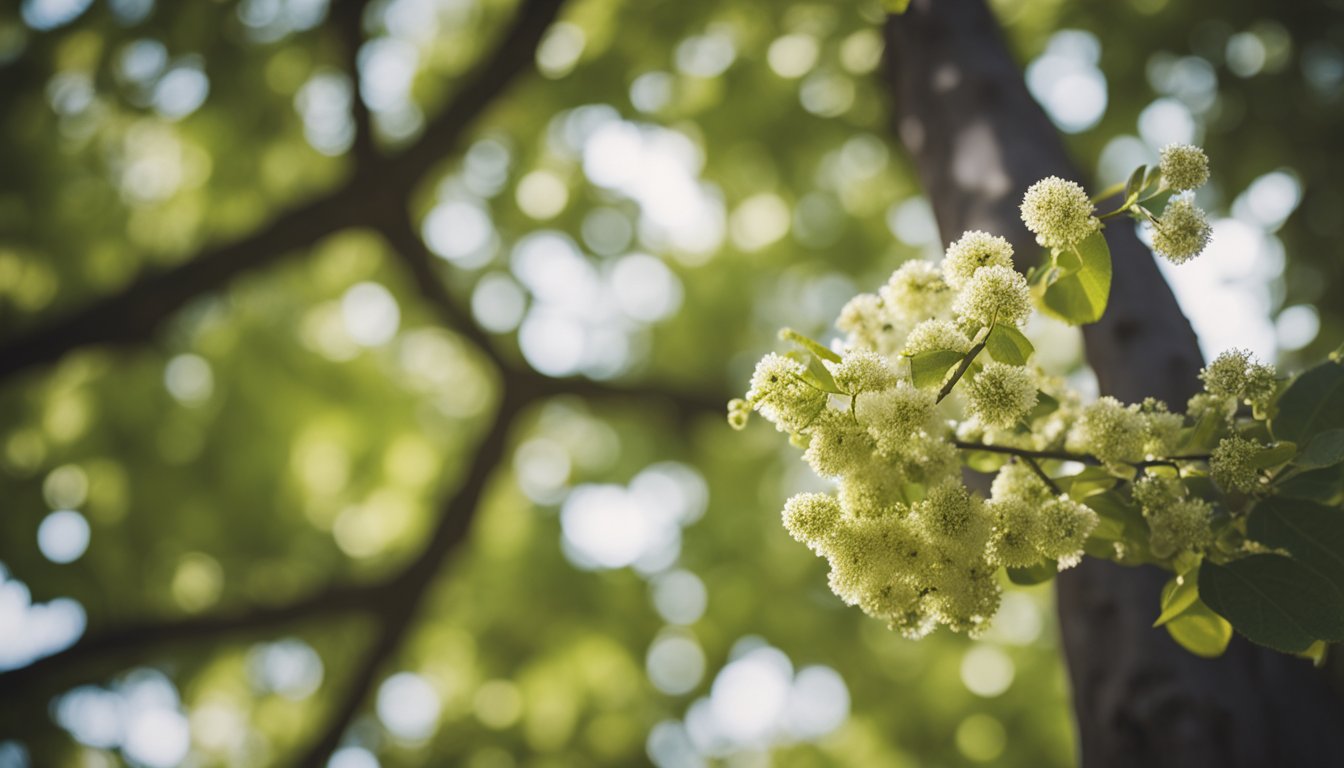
<point>1081,458</point>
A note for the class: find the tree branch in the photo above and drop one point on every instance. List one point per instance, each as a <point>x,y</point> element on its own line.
<point>347,18</point>
<point>398,612</point>
<point>424,271</point>
<point>392,601</point>
<point>962,367</point>
<point>132,314</point>
<point>1048,480</point>
<point>1081,458</point>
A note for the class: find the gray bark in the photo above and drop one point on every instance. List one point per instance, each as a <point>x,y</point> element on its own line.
<point>978,140</point>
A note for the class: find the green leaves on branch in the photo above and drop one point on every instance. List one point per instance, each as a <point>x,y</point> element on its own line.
<point>1312,404</point>
<point>1077,285</point>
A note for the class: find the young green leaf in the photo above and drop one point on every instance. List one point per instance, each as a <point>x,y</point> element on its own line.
<point>1178,595</point>
<point>1204,435</point>
<point>1007,345</point>
<point>1080,297</point>
<point>811,345</point>
<point>1200,631</point>
<point>817,375</point>
<point>1088,481</point>
<point>929,369</point>
<point>1135,186</point>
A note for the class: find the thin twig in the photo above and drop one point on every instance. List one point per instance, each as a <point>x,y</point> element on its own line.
<point>348,24</point>
<point>961,369</point>
<point>1082,458</point>
<point>1049,481</point>
<point>397,613</point>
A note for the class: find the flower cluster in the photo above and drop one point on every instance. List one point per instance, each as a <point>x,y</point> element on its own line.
<point>1183,166</point>
<point>1059,212</point>
<point>1237,377</point>
<point>889,413</point>
<point>1182,233</point>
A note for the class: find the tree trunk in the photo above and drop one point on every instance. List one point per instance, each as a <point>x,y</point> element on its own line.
<point>978,140</point>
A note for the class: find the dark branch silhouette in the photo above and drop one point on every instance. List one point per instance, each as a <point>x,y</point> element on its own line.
<point>128,643</point>
<point>132,314</point>
<point>396,613</point>
<point>348,24</point>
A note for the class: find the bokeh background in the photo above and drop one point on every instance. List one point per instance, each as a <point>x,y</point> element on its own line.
<point>435,471</point>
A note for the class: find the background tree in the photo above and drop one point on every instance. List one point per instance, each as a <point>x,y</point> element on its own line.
<point>299,299</point>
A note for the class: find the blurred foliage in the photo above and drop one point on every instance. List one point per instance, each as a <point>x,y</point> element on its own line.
<point>254,450</point>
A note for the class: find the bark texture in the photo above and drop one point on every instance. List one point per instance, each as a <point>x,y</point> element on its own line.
<point>978,140</point>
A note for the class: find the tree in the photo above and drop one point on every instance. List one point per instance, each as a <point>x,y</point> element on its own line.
<point>1139,698</point>
<point>250,478</point>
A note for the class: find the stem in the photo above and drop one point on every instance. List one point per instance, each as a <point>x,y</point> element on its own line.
<point>962,368</point>
<point>1110,191</point>
<point>1026,453</point>
<point>1116,212</point>
<point>1049,481</point>
<point>1082,458</point>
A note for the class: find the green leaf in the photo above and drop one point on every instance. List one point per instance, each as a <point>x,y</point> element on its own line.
<point>1313,534</point>
<point>817,374</point>
<point>811,345</point>
<point>1274,601</point>
<point>1088,481</point>
<point>1203,436</point>
<point>1154,174</point>
<point>1121,521</point>
<point>1045,405</point>
<point>984,461</point>
<point>895,6</point>
<point>1312,404</point>
<point>1178,595</point>
<point>1200,631</point>
<point>1080,296</point>
<point>1033,574</point>
<point>1316,653</point>
<point>1007,345</point>
<point>1323,485</point>
<point>1326,449</point>
<point>1135,186</point>
<point>1274,455</point>
<point>929,369</point>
